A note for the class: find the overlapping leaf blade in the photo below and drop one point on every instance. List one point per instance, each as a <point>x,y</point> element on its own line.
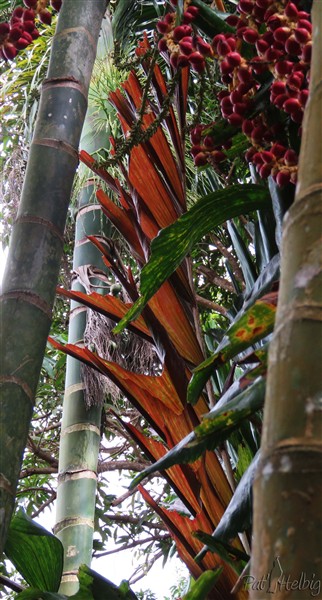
<point>36,553</point>
<point>174,242</point>
<point>214,429</point>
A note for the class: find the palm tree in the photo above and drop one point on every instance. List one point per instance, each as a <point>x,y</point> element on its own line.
<point>36,243</point>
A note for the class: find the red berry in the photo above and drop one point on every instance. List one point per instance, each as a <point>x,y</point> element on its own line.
<point>246,6</point>
<point>29,26</point>
<point>35,34</point>
<point>262,46</point>
<point>272,54</point>
<point>258,65</point>
<point>275,21</point>
<point>193,10</point>
<point>268,157</point>
<point>200,159</point>
<point>257,159</point>
<point>281,34</point>
<point>278,150</point>
<point>290,158</point>
<point>234,59</point>
<point>30,3</point>
<point>195,150</point>
<point>226,67</point>
<point>231,41</point>
<point>304,94</point>
<point>250,36</point>
<point>169,18</point>
<point>174,60</point>
<point>283,177</point>
<point>162,27</point>
<point>218,156</point>
<point>265,171</point>
<point>297,116</point>
<point>292,46</point>
<point>247,127</point>
<point>45,16</point>
<point>244,74</point>
<point>199,67</point>
<point>9,51</point>
<point>307,52</point>
<point>181,31</point>
<point>240,108</point>
<point>183,61</point>
<point>218,38</point>
<point>291,11</point>
<point>203,47</point>
<point>162,45</point>
<point>235,119</point>
<point>22,43</point>
<point>232,20</point>
<point>295,80</point>
<point>26,36</point>
<point>303,23</point>
<point>187,18</point>
<point>18,12</point>
<point>301,35</point>
<point>283,67</point>
<point>279,100</point>
<point>292,105</point>
<point>4,28</point>
<point>278,87</point>
<point>257,134</point>
<point>223,48</point>
<point>250,153</point>
<point>196,58</point>
<point>56,4</point>
<point>195,134</point>
<point>15,33</point>
<point>209,141</point>
<point>186,45</point>
<point>235,96</point>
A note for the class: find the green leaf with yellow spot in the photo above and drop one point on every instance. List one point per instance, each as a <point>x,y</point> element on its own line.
<point>255,324</point>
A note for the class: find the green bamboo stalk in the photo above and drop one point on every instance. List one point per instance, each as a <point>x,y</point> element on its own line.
<point>37,238</point>
<point>287,489</point>
<point>80,432</point>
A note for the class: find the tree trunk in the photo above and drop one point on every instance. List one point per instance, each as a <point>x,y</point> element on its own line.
<point>80,432</point>
<point>287,489</point>
<point>37,239</point>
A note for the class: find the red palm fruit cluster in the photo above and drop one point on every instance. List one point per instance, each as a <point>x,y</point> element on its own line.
<point>280,33</point>
<point>21,30</point>
<point>18,33</point>
<point>284,48</point>
<point>204,149</point>
<point>275,160</point>
<point>179,42</point>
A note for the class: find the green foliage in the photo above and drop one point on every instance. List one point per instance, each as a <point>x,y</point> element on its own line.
<point>204,584</point>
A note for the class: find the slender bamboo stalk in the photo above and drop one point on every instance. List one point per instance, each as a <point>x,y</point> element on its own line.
<point>80,433</point>
<point>37,239</point>
<point>287,490</point>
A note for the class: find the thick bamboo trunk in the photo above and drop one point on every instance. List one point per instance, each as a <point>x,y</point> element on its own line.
<point>287,491</point>
<point>37,239</point>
